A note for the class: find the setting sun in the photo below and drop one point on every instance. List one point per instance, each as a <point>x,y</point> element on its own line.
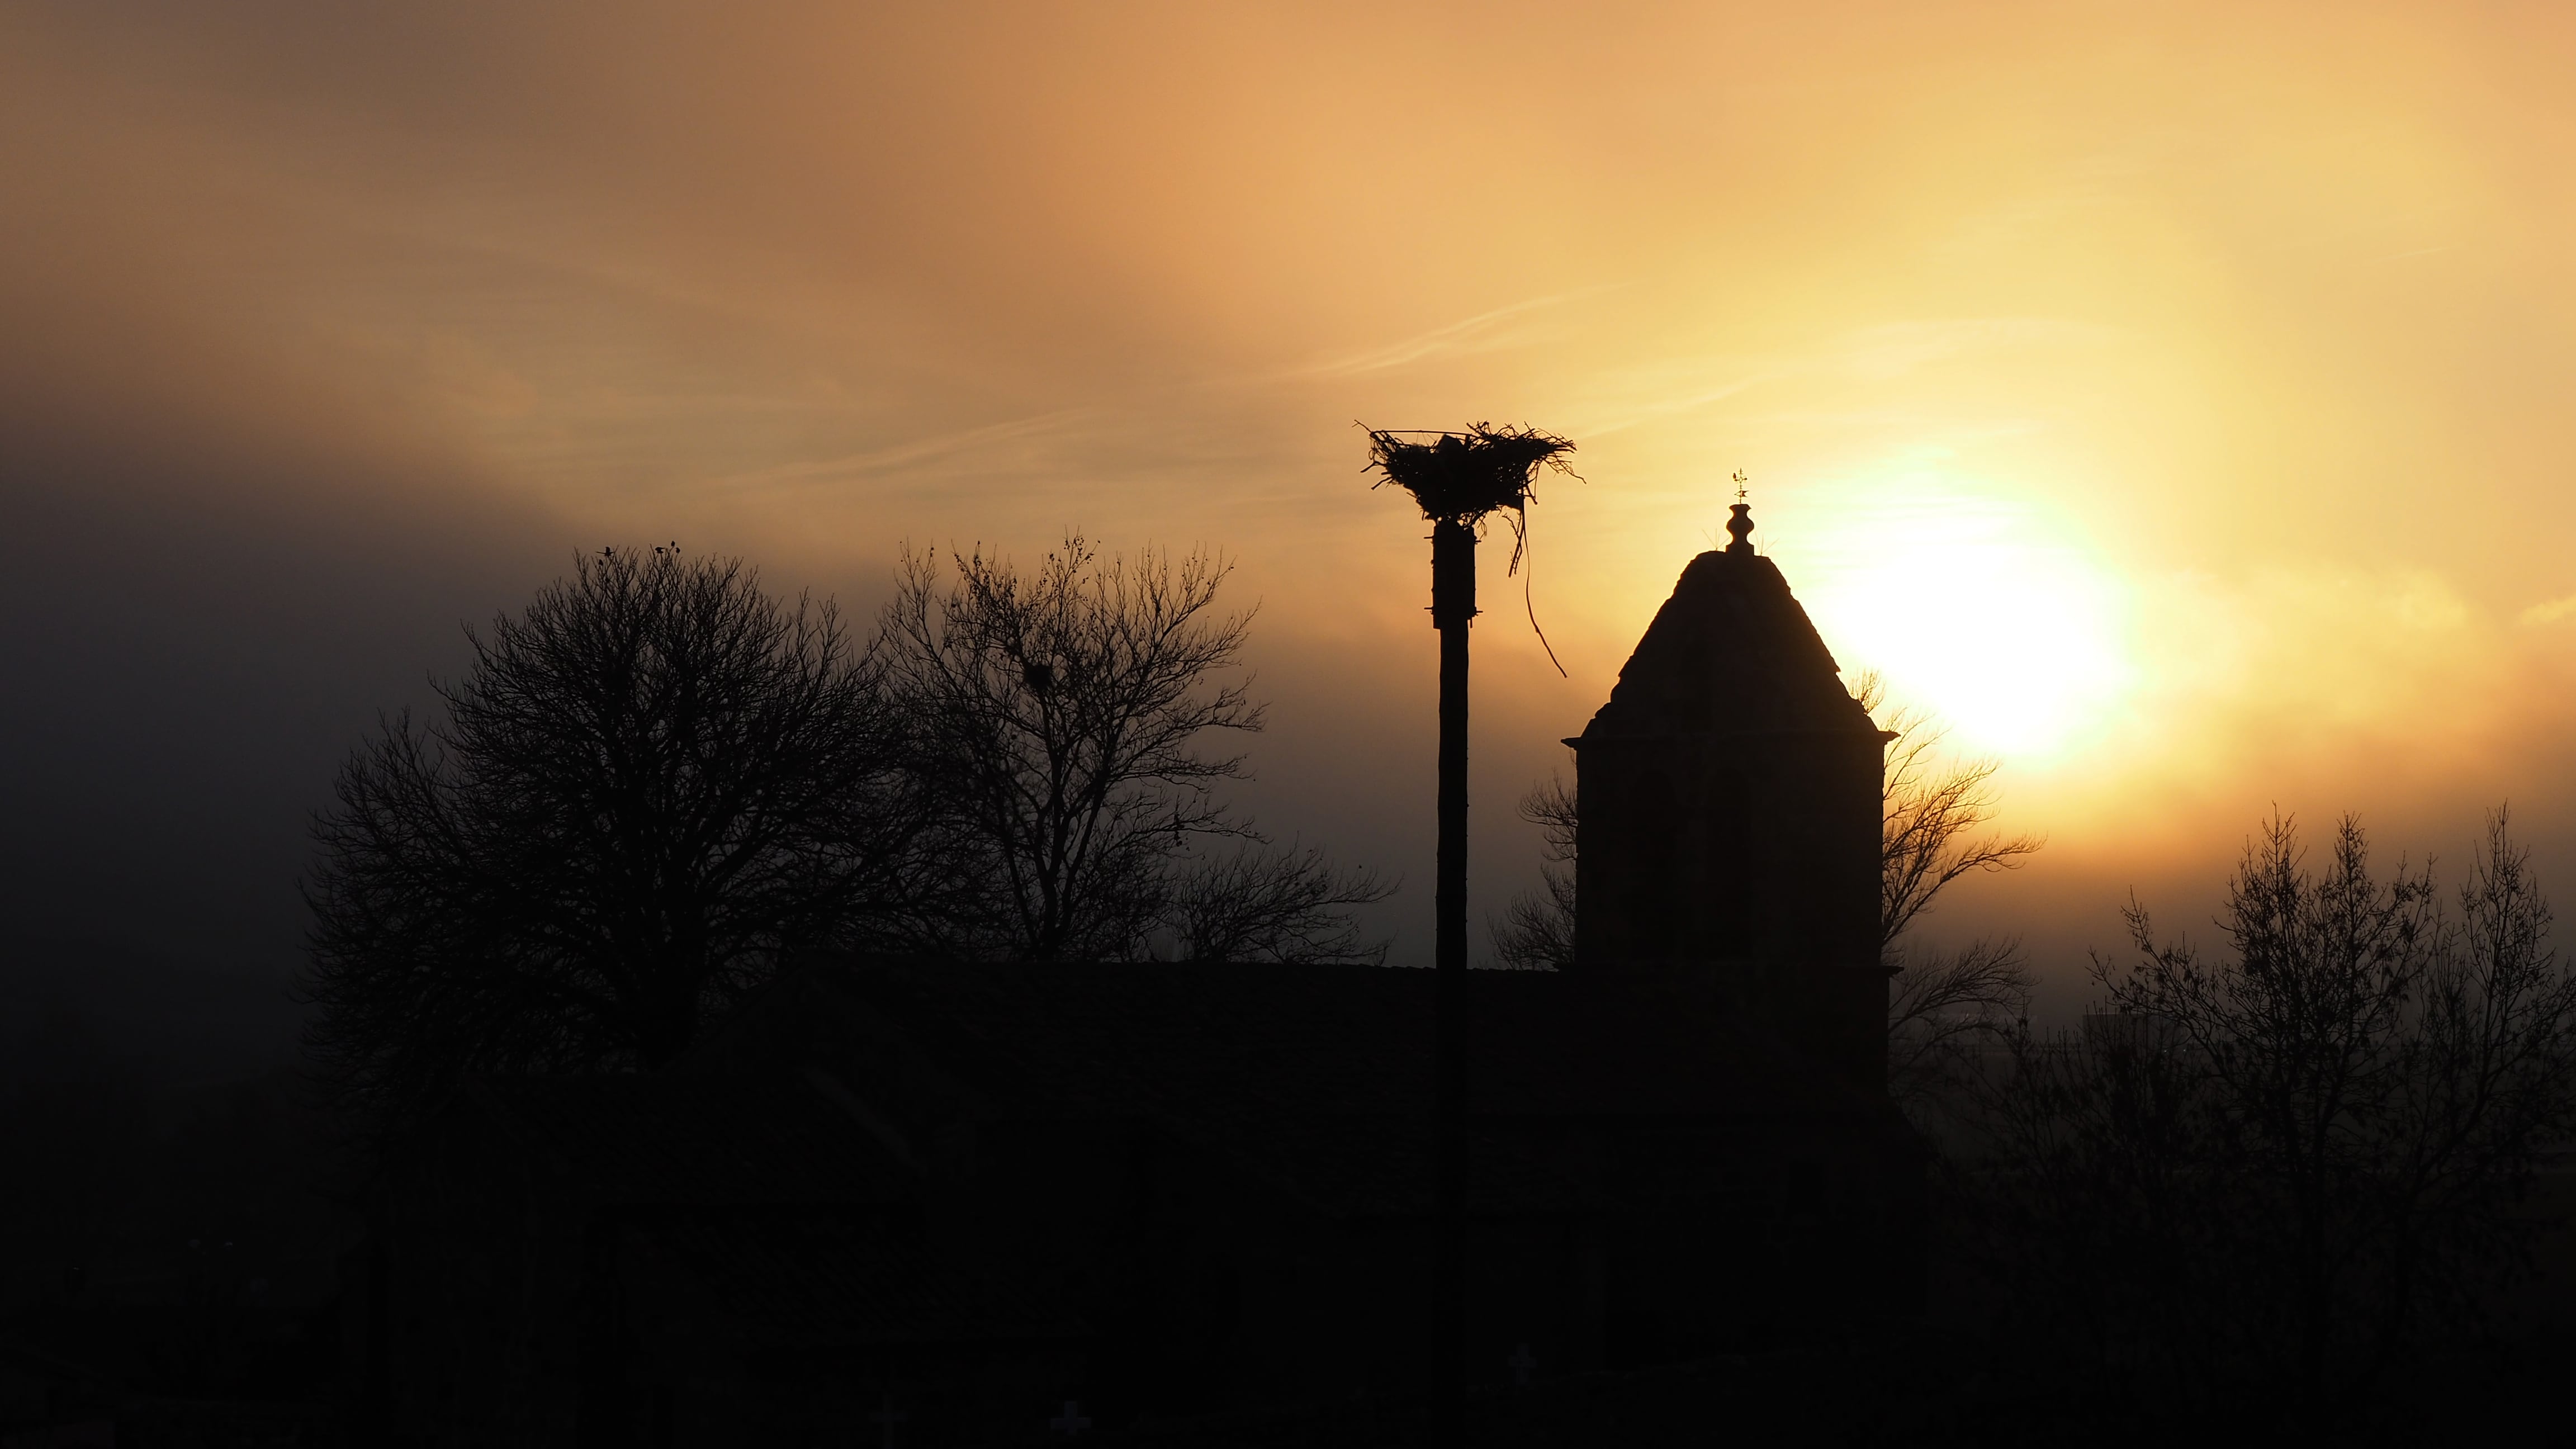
<point>1971,605</point>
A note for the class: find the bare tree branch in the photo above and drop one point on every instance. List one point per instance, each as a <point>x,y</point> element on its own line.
<point>1283,905</point>
<point>1942,1008</point>
<point>646,786</point>
<point>1536,931</point>
<point>1931,809</point>
<point>1057,721</point>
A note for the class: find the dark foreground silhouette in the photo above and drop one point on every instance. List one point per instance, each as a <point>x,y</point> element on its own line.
<point>929,1198</point>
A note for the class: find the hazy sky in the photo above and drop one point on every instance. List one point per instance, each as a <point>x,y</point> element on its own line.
<point>2174,398</point>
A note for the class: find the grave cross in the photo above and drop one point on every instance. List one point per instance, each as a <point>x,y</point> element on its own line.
<point>1523,1364</point>
<point>1071,1422</point>
<point>886,1418</point>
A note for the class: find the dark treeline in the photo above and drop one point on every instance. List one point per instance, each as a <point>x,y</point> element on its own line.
<point>2302,1182</point>
<point>2313,1181</point>
<point>2310,1180</point>
<point>650,786</point>
<point>658,781</point>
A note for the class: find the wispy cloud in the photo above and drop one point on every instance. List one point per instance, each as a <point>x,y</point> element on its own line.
<point>1484,332</point>
<point>2555,611</point>
<point>899,457</point>
<point>1895,348</point>
<point>1650,392</point>
<point>1645,395</point>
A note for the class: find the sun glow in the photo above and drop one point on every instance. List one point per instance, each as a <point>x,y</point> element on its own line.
<point>1972,605</point>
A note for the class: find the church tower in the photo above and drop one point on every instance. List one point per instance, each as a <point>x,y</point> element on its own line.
<point>1730,799</point>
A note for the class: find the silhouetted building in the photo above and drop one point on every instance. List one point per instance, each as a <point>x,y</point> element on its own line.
<point>1731,805</point>
<point>978,1195</point>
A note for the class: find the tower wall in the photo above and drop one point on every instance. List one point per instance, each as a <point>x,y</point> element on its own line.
<point>1754,858</point>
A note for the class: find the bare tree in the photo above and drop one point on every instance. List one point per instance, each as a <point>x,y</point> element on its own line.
<point>1536,931</point>
<point>2307,1151</point>
<point>1942,1005</point>
<point>1273,904</point>
<point>1057,720</point>
<point>1933,808</point>
<point>2487,1084</point>
<point>645,787</point>
<point>1946,1007</point>
<point>2083,1198</point>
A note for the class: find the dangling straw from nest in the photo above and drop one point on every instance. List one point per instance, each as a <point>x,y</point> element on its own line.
<point>1462,477</point>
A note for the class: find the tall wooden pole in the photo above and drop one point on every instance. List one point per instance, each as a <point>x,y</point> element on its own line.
<point>1453,604</point>
<point>1458,479</point>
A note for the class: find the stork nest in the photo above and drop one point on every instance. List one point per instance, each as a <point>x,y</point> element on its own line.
<point>1464,476</point>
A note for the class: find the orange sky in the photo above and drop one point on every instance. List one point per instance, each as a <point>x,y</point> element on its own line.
<point>2171,396</point>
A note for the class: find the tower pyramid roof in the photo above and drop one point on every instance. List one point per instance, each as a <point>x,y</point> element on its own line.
<point>1730,652</point>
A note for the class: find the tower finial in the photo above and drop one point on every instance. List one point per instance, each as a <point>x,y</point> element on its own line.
<point>1740,527</point>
